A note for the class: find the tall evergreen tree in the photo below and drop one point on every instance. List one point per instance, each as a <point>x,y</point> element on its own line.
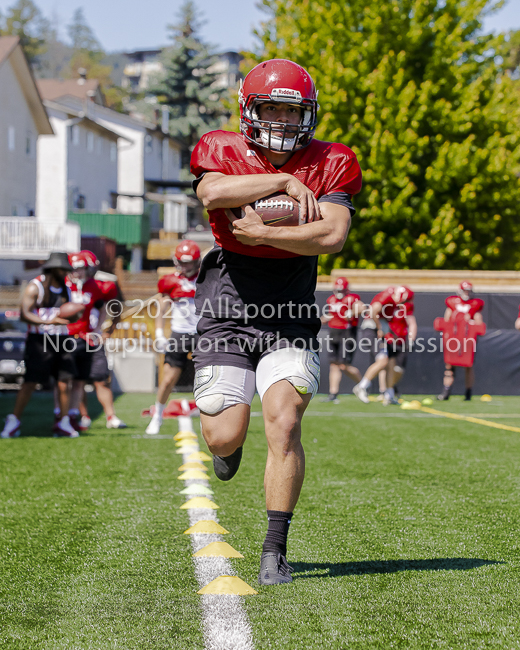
<point>189,85</point>
<point>416,89</point>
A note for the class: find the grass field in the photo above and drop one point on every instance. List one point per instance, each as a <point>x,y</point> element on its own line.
<point>406,534</point>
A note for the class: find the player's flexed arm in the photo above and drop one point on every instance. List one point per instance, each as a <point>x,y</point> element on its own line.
<point>324,236</point>
<point>218,190</point>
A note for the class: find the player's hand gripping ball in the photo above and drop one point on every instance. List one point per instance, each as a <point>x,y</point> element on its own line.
<point>275,210</point>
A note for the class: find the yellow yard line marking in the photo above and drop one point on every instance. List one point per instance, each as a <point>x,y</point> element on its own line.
<point>468,418</point>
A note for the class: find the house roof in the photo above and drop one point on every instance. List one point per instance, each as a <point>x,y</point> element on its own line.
<point>11,50</point>
<point>7,45</point>
<point>83,89</point>
<point>83,117</point>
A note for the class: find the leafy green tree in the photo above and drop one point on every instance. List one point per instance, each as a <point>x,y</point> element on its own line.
<point>189,85</point>
<point>417,91</point>
<point>26,21</point>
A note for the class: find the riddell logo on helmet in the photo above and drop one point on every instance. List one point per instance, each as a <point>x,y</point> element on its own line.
<point>286,92</point>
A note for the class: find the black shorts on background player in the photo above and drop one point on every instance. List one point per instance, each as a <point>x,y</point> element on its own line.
<point>180,345</point>
<point>342,345</point>
<point>47,356</point>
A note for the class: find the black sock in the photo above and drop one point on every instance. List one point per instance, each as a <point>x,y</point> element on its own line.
<point>277,530</point>
<point>468,394</point>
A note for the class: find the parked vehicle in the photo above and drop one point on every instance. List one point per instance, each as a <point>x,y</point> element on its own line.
<point>12,347</point>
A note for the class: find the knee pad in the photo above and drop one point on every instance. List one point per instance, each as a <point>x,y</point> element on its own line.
<point>210,404</point>
<point>218,387</point>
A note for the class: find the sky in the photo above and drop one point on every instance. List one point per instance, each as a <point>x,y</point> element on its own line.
<point>134,24</point>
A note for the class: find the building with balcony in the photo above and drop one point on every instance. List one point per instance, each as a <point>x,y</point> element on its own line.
<point>23,120</point>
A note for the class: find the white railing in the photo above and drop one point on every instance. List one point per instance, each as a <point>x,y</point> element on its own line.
<point>28,238</point>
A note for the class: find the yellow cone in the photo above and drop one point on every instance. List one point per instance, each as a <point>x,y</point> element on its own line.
<point>199,455</point>
<point>206,526</point>
<point>187,450</point>
<point>186,442</point>
<point>193,465</point>
<point>218,549</point>
<point>199,502</point>
<point>228,585</point>
<point>486,398</point>
<point>185,435</point>
<point>192,473</point>
<point>415,404</point>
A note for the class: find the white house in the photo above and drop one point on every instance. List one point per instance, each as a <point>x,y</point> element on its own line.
<point>23,120</point>
<point>77,167</point>
<point>148,158</point>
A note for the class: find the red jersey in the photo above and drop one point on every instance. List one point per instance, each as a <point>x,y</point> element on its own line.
<point>459,306</point>
<point>394,315</point>
<point>176,286</point>
<point>341,311</point>
<point>323,167</point>
<point>92,293</point>
<point>181,290</point>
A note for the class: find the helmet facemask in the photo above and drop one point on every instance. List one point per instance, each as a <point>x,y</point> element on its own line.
<point>278,136</point>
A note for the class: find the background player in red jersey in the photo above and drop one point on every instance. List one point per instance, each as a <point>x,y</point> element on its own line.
<point>40,309</point>
<point>90,357</point>
<point>178,293</point>
<point>342,318</point>
<point>464,302</point>
<point>392,310</point>
<point>255,291</point>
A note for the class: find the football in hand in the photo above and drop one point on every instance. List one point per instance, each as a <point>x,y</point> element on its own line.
<point>71,310</point>
<point>275,210</point>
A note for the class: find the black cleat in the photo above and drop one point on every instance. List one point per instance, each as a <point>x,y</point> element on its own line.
<point>274,569</point>
<point>444,396</point>
<point>227,466</point>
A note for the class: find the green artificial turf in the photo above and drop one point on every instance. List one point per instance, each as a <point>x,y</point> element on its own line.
<point>405,535</point>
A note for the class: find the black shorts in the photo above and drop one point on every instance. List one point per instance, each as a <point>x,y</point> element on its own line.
<point>99,367</point>
<point>82,359</point>
<point>341,345</point>
<point>48,356</point>
<point>226,342</point>
<point>179,347</point>
<point>398,353</point>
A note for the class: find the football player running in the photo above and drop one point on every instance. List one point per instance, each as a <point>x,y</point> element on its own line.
<point>392,311</point>
<point>255,291</point>
<point>342,316</point>
<point>178,292</point>
<point>464,302</point>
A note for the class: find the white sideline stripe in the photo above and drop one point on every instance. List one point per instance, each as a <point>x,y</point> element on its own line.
<point>224,620</point>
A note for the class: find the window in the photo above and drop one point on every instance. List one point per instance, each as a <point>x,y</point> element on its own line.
<point>90,141</point>
<point>80,202</point>
<point>28,144</point>
<point>11,138</point>
<point>99,147</point>
<point>148,144</point>
<point>113,152</point>
<point>74,134</point>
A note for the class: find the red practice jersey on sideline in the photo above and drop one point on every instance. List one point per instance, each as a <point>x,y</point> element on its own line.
<point>394,314</point>
<point>91,293</point>
<point>340,309</point>
<point>459,306</point>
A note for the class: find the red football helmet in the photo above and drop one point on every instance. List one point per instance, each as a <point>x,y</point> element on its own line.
<point>278,80</point>
<point>187,257</point>
<point>340,287</point>
<point>83,259</point>
<point>403,294</point>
